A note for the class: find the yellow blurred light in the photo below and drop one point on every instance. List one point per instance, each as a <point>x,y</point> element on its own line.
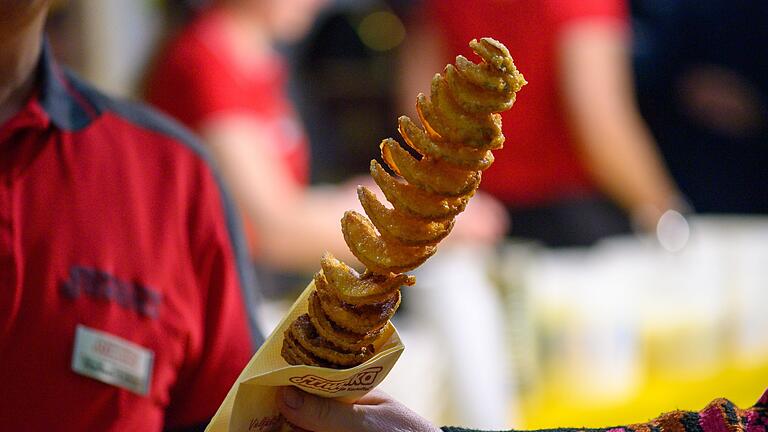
<point>381,31</point>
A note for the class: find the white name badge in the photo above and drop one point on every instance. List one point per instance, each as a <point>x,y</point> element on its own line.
<point>112,360</point>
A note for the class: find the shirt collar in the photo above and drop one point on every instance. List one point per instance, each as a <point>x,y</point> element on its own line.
<point>69,104</point>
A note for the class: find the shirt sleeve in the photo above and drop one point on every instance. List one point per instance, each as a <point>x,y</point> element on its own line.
<point>190,84</point>
<point>222,344</point>
<point>565,12</point>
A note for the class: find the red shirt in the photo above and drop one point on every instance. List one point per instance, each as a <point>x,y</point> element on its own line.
<point>110,218</point>
<point>199,77</point>
<point>539,163</point>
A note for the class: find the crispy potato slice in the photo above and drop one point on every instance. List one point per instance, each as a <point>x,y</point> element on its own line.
<point>366,311</point>
<point>363,319</point>
<point>494,53</point>
<point>378,255</point>
<point>305,334</point>
<point>474,99</point>
<point>295,354</point>
<point>444,120</point>
<point>287,353</point>
<point>412,200</point>
<point>340,337</point>
<point>394,224</point>
<point>484,76</point>
<point>457,154</point>
<point>351,288</point>
<point>428,173</point>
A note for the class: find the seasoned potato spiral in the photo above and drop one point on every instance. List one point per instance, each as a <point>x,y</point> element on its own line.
<point>460,126</point>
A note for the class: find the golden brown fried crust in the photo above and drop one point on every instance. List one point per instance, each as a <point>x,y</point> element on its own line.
<point>379,255</point>
<point>484,76</point>
<point>460,125</point>
<point>355,289</point>
<point>445,121</point>
<point>345,340</point>
<point>395,225</point>
<point>295,354</point>
<point>357,319</point>
<point>287,354</point>
<point>456,154</point>
<point>474,99</point>
<point>430,174</point>
<point>417,202</point>
<point>306,335</point>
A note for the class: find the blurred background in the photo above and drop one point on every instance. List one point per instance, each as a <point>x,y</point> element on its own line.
<point>632,305</point>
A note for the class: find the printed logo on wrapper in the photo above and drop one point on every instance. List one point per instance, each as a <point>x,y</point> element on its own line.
<point>360,381</point>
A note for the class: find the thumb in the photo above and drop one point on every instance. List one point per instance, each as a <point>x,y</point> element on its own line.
<point>317,414</point>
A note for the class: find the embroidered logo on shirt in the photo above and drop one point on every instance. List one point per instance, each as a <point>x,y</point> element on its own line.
<point>104,286</point>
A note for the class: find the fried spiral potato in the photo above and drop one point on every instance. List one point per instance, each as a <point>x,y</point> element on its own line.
<point>433,175</point>
<point>459,155</point>
<point>460,125</point>
<point>378,255</point>
<point>402,227</point>
<point>355,289</point>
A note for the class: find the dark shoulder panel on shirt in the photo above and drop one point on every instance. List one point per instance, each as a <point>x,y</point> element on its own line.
<point>147,118</point>
<point>140,115</point>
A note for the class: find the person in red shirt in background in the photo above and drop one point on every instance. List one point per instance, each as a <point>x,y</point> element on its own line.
<point>222,76</point>
<point>576,135</point>
<point>124,287</point>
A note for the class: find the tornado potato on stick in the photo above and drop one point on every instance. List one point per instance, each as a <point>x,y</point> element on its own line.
<point>460,126</point>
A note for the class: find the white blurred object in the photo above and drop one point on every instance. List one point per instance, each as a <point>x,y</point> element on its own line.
<point>743,245</point>
<point>682,306</point>
<point>672,231</point>
<point>415,379</point>
<point>512,268</point>
<point>583,302</point>
<point>457,299</point>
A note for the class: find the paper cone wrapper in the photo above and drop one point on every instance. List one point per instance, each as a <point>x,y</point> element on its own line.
<point>250,404</point>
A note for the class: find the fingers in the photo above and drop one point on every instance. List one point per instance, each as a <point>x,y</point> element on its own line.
<point>318,414</point>
<point>374,412</point>
<point>375,397</point>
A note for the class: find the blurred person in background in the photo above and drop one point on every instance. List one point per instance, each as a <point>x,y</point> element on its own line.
<point>223,77</point>
<point>576,145</point>
<point>703,87</point>
<point>124,286</point>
